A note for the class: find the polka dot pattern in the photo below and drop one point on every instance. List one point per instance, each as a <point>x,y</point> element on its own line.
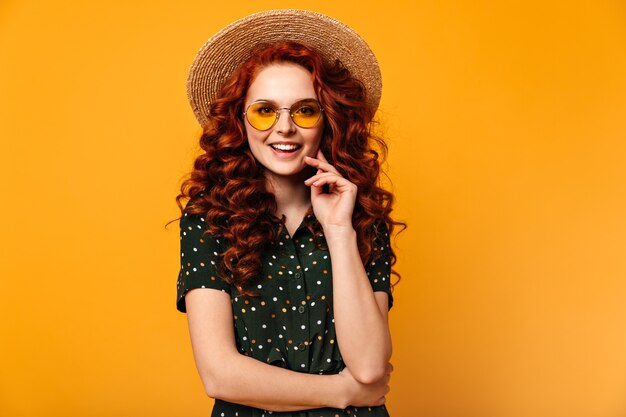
<point>291,323</point>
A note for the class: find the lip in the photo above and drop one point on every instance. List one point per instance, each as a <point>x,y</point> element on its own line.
<point>282,155</point>
<point>285,143</point>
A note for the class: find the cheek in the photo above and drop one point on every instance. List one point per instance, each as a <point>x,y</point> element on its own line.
<point>255,141</point>
<point>253,144</point>
<point>316,136</point>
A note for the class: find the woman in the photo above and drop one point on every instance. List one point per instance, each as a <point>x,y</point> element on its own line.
<point>287,181</point>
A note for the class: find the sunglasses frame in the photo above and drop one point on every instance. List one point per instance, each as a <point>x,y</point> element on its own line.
<point>277,112</point>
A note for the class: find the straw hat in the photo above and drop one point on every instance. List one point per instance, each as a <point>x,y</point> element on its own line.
<point>233,45</point>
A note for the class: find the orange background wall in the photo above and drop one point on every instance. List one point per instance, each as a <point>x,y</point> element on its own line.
<point>506,124</point>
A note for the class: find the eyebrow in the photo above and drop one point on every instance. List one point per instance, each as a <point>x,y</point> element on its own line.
<point>276,104</point>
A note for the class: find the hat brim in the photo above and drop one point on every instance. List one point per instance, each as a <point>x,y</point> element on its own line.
<point>230,47</point>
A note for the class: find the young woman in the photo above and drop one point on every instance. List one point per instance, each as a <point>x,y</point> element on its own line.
<point>285,237</point>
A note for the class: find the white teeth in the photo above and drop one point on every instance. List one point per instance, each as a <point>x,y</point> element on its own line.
<point>285,147</point>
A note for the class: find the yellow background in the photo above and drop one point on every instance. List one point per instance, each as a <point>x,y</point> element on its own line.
<point>506,123</point>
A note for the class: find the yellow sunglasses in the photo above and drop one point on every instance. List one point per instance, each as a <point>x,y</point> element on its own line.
<point>262,115</point>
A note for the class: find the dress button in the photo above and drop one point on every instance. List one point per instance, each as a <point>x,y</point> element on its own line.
<point>301,309</point>
<point>298,275</point>
<point>301,346</point>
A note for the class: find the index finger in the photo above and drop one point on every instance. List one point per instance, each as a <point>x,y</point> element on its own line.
<point>321,163</point>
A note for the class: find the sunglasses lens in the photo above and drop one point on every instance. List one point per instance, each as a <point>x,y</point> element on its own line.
<point>261,115</point>
<point>306,113</point>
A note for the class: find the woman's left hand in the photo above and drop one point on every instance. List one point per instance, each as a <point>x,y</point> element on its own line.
<point>335,208</point>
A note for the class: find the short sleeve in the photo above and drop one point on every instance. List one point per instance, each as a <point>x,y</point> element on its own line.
<point>198,259</point>
<point>379,270</point>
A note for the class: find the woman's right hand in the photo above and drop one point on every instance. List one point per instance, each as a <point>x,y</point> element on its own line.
<point>364,395</point>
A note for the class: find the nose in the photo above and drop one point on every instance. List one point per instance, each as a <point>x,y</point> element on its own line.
<point>284,124</point>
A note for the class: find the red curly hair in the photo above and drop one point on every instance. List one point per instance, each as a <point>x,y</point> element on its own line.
<point>227,185</point>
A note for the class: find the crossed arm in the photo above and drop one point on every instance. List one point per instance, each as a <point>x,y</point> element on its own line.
<point>228,375</point>
<point>231,376</point>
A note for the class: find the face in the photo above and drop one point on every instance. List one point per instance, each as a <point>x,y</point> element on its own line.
<point>283,85</point>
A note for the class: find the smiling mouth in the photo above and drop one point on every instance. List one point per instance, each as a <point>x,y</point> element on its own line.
<point>285,148</point>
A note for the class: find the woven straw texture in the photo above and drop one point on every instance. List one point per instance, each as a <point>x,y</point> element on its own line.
<point>233,45</point>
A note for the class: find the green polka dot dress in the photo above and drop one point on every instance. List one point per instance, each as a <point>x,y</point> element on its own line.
<point>291,323</point>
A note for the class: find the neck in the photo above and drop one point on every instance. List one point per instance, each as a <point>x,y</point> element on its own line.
<point>291,193</point>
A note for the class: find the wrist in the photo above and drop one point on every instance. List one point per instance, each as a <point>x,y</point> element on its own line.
<point>342,398</point>
<point>339,234</point>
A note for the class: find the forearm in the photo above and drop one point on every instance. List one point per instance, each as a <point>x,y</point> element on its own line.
<point>245,380</point>
<point>362,330</point>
